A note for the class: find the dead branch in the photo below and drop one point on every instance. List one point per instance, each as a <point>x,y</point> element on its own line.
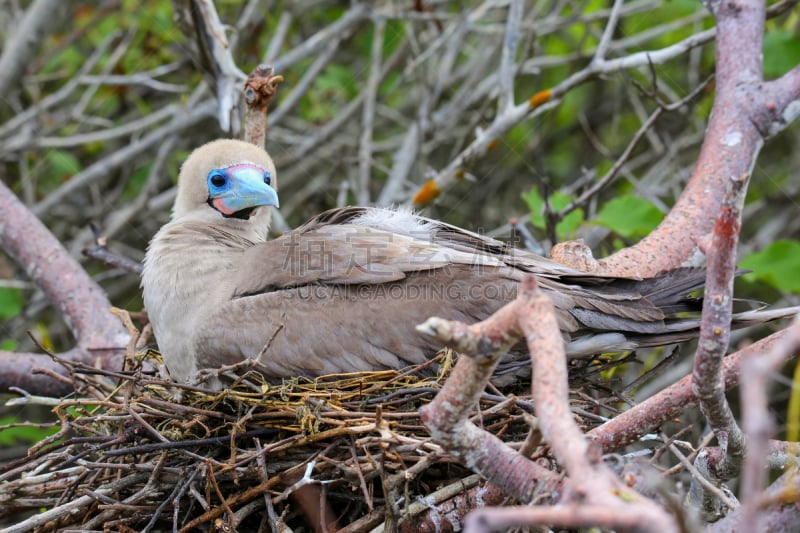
<point>744,113</point>
<point>589,481</point>
<point>20,48</point>
<point>259,89</point>
<point>206,35</point>
<point>758,422</point>
<point>723,463</point>
<point>651,413</point>
<point>83,304</point>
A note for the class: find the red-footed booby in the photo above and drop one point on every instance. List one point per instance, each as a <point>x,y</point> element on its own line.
<point>344,292</point>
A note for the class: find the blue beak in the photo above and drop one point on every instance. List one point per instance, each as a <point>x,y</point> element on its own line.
<point>234,189</point>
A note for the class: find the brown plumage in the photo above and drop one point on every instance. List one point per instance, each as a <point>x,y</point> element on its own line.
<point>345,291</point>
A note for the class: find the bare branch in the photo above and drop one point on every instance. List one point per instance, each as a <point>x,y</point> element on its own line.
<point>590,482</point>
<point>758,421</point>
<point>41,17</point>
<point>183,120</point>
<point>707,380</point>
<point>260,88</point>
<point>77,297</point>
<point>368,114</point>
<point>649,414</point>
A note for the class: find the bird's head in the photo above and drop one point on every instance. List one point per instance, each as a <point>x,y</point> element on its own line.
<point>227,181</point>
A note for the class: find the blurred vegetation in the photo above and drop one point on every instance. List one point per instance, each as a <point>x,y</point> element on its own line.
<point>129,62</point>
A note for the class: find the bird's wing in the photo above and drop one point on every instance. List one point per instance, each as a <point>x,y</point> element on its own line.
<point>324,327</point>
<point>336,295</point>
<point>341,251</point>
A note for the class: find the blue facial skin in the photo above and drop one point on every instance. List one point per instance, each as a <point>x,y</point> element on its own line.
<point>234,189</point>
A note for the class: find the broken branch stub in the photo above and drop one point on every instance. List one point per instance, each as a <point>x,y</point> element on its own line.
<point>259,89</point>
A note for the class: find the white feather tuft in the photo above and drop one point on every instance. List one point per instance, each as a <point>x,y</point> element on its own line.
<point>400,220</point>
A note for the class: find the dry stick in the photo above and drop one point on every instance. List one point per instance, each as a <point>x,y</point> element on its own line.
<point>132,127</point>
<point>40,19</point>
<point>671,402</point>
<point>508,56</point>
<point>259,89</point>
<point>699,478</point>
<point>733,140</point>
<point>101,252</point>
<point>590,481</point>
<point>368,114</point>
<point>76,296</point>
<point>447,416</point>
<point>608,32</point>
<point>707,380</point>
<point>183,120</point>
<point>200,24</point>
<point>759,423</point>
<point>74,506</point>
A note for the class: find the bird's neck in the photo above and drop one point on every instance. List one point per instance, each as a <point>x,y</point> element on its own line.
<point>184,280</point>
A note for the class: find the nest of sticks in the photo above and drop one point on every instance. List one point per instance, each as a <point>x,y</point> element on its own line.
<point>137,452</point>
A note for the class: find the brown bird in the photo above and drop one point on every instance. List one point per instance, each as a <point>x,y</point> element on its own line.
<point>344,292</point>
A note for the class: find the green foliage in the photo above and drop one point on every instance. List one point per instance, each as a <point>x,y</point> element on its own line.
<point>393,34</point>
<point>665,11</point>
<point>793,412</point>
<point>781,52</point>
<point>9,345</point>
<point>778,265</point>
<point>14,436</point>
<point>11,302</point>
<point>134,185</point>
<point>61,164</point>
<point>565,229</point>
<point>629,216</point>
<point>334,87</point>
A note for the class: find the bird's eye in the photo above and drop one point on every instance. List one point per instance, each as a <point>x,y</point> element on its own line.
<point>217,180</point>
<point>267,178</point>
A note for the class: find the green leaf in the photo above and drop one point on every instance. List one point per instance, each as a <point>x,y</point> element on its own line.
<point>11,302</point>
<point>564,229</point>
<point>62,164</point>
<point>781,52</point>
<point>337,80</point>
<point>22,434</point>
<point>134,185</point>
<point>629,216</point>
<point>535,205</point>
<point>9,345</point>
<point>569,225</point>
<point>778,264</point>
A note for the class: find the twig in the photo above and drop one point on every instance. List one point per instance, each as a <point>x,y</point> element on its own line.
<point>186,119</point>
<point>670,402</point>
<point>101,252</point>
<point>259,89</point>
<point>508,56</point>
<point>531,316</point>
<point>707,378</point>
<point>41,18</point>
<point>758,422</point>
<point>368,114</point>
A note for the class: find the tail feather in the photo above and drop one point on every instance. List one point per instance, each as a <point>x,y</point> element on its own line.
<point>671,332</point>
